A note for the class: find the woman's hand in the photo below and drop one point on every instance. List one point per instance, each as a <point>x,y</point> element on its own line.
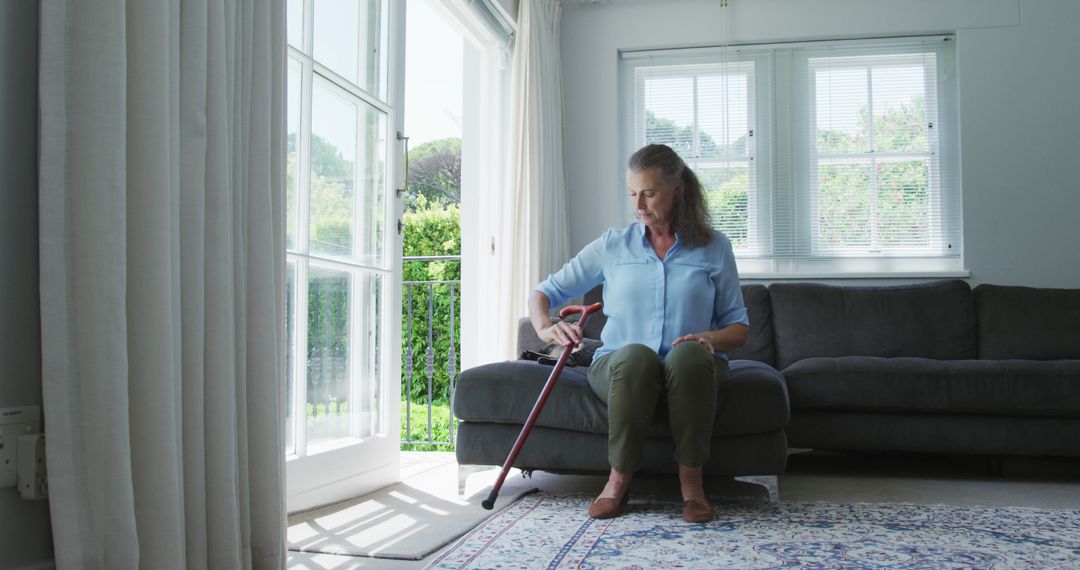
<point>561,333</point>
<point>698,338</point>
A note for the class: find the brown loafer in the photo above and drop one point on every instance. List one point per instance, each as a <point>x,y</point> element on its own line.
<point>695,512</point>
<point>608,508</point>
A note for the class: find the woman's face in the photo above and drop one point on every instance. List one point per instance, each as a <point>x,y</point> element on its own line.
<point>652,197</point>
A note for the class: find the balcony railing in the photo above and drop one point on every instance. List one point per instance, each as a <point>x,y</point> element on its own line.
<point>430,328</point>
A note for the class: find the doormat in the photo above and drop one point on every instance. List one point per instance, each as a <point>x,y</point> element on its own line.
<point>400,522</point>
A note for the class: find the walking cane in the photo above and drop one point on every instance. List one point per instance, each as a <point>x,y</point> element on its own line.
<point>489,503</point>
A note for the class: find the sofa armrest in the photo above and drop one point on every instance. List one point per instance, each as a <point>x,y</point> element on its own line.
<point>527,339</point>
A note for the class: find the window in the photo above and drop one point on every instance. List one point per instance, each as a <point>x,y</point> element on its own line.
<point>817,158</point>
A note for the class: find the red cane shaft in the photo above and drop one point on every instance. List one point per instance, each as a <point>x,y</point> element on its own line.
<point>489,503</point>
<point>535,413</point>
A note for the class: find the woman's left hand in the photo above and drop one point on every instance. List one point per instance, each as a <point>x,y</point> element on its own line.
<point>700,339</point>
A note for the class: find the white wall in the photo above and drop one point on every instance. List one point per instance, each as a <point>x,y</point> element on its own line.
<point>25,535</point>
<point>1018,81</point>
<point>1021,185</point>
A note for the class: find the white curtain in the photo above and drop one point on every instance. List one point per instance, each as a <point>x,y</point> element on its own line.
<point>162,281</point>
<point>535,233</point>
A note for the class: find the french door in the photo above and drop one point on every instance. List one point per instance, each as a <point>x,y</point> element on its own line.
<point>343,297</point>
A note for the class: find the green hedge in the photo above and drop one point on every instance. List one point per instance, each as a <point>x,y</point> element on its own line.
<point>431,231</point>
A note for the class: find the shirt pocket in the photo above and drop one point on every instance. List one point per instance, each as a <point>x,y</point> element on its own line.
<point>690,285</point>
<point>630,267</point>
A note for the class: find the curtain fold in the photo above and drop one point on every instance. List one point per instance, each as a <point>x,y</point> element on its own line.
<point>535,232</point>
<point>162,281</point>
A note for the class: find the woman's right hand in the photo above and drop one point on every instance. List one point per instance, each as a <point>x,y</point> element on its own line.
<point>561,333</point>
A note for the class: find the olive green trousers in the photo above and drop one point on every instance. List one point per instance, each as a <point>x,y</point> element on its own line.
<point>633,380</point>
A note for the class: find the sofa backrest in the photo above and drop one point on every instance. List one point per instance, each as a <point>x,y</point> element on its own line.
<point>1027,323</point>
<point>932,320</point>
<point>759,345</point>
<point>596,321</point>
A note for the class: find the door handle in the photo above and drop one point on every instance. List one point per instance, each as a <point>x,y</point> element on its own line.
<point>405,187</point>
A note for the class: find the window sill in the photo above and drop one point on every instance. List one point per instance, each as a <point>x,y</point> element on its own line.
<point>963,274</point>
<point>839,268</point>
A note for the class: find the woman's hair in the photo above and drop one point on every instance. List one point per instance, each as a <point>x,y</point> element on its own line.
<point>691,218</point>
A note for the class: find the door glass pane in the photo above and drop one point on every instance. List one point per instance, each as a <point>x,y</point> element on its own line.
<point>292,188</point>
<point>347,205</point>
<point>328,355</point>
<point>333,170</point>
<point>370,421</point>
<point>348,39</point>
<point>294,22</point>
<point>370,222</point>
<point>290,356</point>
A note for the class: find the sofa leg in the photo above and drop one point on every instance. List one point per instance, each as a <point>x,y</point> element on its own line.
<point>464,471</point>
<point>770,482</point>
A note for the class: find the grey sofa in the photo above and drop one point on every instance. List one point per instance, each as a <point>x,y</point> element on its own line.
<point>937,367</point>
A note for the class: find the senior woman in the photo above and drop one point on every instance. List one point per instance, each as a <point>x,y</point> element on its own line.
<point>674,308</point>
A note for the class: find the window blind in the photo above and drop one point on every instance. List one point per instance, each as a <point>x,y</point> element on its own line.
<point>814,156</point>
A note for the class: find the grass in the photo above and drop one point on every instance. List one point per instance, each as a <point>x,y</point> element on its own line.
<point>440,426</point>
<point>328,422</point>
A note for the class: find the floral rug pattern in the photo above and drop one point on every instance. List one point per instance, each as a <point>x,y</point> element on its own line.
<point>554,532</point>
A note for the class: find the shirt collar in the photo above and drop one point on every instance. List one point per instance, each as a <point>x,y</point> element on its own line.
<point>648,247</point>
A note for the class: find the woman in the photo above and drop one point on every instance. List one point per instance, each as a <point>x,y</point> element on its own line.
<point>674,308</point>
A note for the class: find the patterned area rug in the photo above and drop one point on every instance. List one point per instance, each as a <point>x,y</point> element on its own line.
<point>554,532</point>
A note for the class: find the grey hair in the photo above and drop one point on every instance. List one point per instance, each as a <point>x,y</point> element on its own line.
<point>691,217</point>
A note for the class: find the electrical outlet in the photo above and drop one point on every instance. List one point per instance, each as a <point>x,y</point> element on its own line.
<point>31,467</point>
<point>13,423</point>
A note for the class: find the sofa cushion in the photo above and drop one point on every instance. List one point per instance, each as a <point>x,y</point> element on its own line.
<point>759,345</point>
<point>1027,323</point>
<point>933,320</point>
<point>504,392</point>
<point>753,400</point>
<point>560,451</point>
<point>907,385</point>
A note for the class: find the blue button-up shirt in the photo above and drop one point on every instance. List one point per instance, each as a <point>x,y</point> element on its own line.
<point>649,301</point>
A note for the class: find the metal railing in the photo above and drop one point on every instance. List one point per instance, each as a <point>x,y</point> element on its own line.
<point>437,334</point>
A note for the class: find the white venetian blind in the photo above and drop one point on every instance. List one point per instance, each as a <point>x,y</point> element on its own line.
<point>874,166</point>
<point>814,156</point>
